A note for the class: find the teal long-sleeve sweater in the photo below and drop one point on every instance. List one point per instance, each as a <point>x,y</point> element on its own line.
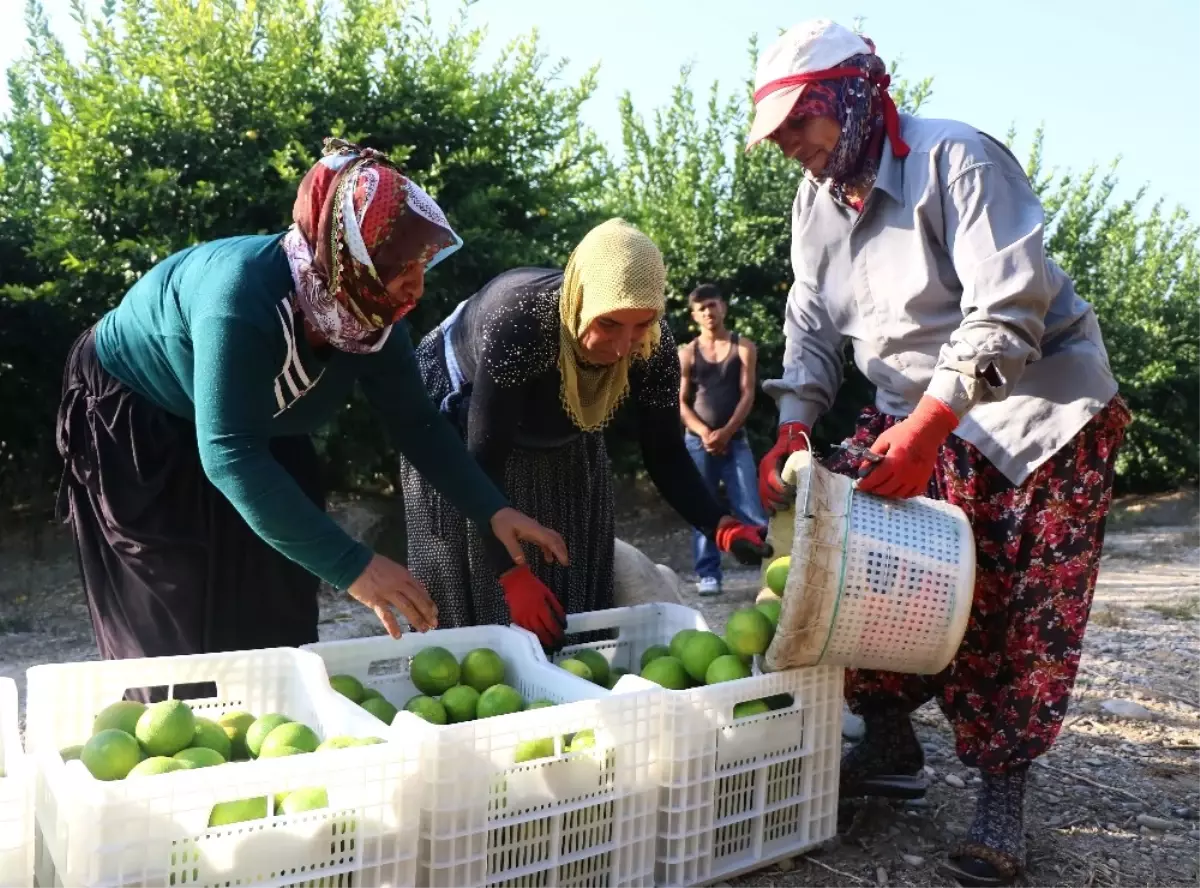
<point>209,335</point>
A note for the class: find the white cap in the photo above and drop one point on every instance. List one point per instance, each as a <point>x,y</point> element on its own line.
<point>814,45</point>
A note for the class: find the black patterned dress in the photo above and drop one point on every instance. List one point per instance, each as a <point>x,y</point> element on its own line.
<point>492,366</point>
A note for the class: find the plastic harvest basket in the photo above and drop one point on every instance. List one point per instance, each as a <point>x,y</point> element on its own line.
<point>569,818</point>
<point>735,794</point>
<point>16,796</point>
<point>153,831</point>
<point>873,583</point>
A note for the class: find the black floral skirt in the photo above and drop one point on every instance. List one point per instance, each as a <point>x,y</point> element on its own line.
<point>1037,556</point>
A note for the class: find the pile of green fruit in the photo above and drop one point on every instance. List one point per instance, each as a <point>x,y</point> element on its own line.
<point>451,691</point>
<point>696,658</point>
<point>131,740</point>
<point>592,666</point>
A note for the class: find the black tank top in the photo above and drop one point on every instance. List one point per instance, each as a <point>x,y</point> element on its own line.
<point>716,387</point>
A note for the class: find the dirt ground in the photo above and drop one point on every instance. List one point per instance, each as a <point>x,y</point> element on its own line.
<point>1115,802</point>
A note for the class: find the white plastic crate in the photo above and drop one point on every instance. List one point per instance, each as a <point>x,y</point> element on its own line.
<point>735,794</point>
<point>16,796</point>
<point>154,831</point>
<point>582,818</point>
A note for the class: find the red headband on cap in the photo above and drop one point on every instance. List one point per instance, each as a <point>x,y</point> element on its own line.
<point>891,117</point>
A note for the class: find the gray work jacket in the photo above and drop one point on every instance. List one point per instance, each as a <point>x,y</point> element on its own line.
<point>943,286</point>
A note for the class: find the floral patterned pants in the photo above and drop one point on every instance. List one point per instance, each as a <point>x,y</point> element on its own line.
<point>1037,557</point>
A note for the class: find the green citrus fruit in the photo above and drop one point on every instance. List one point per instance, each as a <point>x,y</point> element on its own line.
<point>111,754</point>
<point>667,672</point>
<point>258,731</point>
<point>699,651</point>
<point>434,671</point>
<point>727,668</point>
<point>594,661</point>
<point>482,668</point>
<point>461,703</point>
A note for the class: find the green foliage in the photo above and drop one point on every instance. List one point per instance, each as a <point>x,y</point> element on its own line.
<point>187,120</point>
<point>1141,270</point>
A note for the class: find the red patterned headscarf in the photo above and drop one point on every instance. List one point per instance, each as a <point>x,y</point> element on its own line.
<point>360,223</point>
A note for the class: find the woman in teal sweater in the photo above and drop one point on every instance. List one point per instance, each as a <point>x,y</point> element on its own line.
<point>191,483</point>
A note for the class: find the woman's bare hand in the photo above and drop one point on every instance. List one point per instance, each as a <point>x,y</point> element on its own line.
<point>386,587</point>
<point>513,528</point>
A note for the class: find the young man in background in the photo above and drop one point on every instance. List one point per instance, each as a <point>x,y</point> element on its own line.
<point>716,393</point>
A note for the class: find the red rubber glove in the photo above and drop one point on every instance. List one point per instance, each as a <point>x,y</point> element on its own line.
<point>745,542</point>
<point>775,495</point>
<point>533,606</point>
<point>910,450</point>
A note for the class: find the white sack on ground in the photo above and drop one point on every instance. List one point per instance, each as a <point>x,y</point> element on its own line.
<point>638,580</point>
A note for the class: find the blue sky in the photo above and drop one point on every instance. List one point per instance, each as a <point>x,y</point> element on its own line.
<point>1107,79</point>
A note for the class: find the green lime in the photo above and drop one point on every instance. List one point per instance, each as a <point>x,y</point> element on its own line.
<point>290,734</point>
<point>122,715</point>
<point>668,672</point>
<point>156,764</point>
<point>380,708</point>
<point>699,651</point>
<point>279,750</point>
<point>225,813</point>
<point>211,735</point>
<point>750,707</point>
<point>596,663</point>
<point>199,757</point>
<point>770,610</point>
<point>298,801</point>
<point>499,700</point>
<point>258,731</point>
<point>111,754</point>
<point>576,667</point>
<point>166,727</point>
<point>482,668</point>
<point>340,742</point>
<point>748,632</point>
<point>654,652</point>
<point>583,740</point>
<point>434,671</point>
<point>235,725</point>
<point>348,686</point>
<point>460,702</point>
<point>726,668</point>
<point>529,750</point>
<point>369,694</point>
<point>680,639</point>
<point>429,709</point>
<point>777,574</point>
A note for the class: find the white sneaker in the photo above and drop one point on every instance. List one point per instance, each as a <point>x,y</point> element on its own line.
<point>708,586</point>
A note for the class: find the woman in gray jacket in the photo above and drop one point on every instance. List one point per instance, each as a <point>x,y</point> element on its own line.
<point>921,242</point>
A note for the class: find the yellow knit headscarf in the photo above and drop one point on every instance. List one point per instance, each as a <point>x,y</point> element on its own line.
<point>614,267</point>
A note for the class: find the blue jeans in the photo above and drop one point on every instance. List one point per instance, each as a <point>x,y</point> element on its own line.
<point>736,468</point>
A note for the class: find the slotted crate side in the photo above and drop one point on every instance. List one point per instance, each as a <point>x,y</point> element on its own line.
<point>768,791</point>
<point>154,830</point>
<point>16,804</point>
<point>567,818</point>
<point>735,793</point>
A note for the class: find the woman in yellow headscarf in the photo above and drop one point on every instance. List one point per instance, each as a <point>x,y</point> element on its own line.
<point>531,368</point>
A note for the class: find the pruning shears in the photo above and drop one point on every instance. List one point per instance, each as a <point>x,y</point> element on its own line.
<point>863,455</point>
